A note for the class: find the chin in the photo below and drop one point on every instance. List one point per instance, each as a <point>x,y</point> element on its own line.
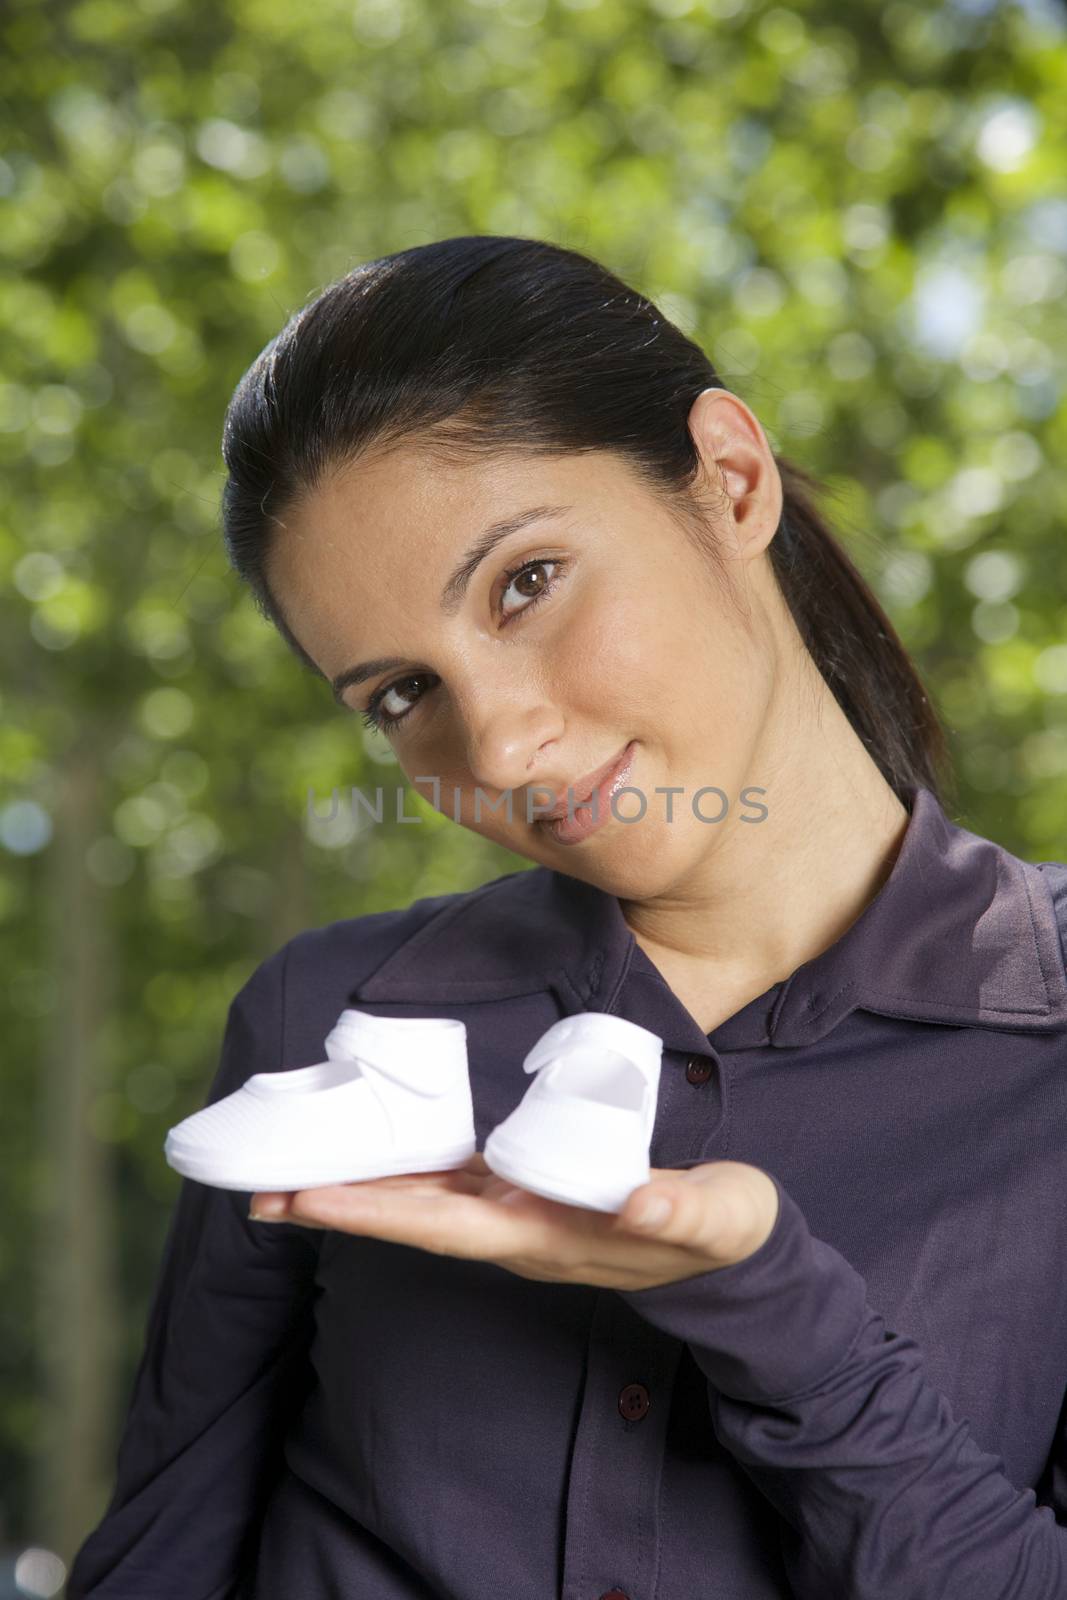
<point>632,863</point>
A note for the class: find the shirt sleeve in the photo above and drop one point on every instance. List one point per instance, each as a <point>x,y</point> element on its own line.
<point>883,1491</point>
<point>1052,1484</point>
<point>224,1364</point>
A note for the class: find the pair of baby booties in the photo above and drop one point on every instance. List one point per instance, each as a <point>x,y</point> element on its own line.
<point>394,1096</point>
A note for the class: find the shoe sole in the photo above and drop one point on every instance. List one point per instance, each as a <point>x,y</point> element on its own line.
<point>303,1178</point>
<point>505,1161</point>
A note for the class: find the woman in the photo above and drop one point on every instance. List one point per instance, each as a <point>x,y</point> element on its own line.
<point>505,509</point>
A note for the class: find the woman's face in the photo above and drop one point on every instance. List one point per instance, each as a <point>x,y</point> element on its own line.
<point>616,632</point>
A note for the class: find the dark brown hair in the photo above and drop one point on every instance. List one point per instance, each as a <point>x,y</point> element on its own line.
<point>482,344</point>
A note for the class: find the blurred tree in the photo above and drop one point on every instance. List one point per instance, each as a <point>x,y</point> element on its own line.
<point>860,214</point>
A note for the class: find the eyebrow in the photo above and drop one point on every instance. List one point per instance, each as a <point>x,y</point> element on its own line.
<point>453,591</point>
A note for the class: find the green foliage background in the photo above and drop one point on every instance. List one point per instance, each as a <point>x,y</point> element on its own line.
<point>859,211</point>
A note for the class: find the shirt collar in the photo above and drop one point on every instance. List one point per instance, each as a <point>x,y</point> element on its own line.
<point>961,932</point>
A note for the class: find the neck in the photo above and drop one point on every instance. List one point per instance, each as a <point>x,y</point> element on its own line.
<point>770,895</point>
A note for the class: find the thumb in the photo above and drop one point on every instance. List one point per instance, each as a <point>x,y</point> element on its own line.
<point>660,1208</point>
<point>722,1208</point>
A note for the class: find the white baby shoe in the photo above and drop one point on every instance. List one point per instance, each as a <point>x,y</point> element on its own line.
<point>582,1130</point>
<point>393,1096</point>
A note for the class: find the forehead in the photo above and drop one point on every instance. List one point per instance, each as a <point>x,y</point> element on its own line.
<point>390,526</point>
<point>412,495</point>
<point>407,514</point>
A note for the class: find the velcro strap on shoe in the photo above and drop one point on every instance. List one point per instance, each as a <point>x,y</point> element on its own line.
<point>379,1056</point>
<point>592,1030</point>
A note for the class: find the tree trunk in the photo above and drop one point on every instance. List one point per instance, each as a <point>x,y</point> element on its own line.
<point>77,1290</point>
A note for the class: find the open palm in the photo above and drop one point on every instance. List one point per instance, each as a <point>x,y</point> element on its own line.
<point>720,1213</point>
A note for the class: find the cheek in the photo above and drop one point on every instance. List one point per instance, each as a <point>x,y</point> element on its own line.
<point>665,650</point>
<point>619,654</point>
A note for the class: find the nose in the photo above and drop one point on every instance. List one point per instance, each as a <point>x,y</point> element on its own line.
<point>511,729</point>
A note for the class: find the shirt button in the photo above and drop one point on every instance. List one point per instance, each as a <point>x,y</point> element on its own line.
<point>698,1070</point>
<point>634,1401</point>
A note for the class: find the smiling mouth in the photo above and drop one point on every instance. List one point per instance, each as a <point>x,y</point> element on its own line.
<point>591,786</point>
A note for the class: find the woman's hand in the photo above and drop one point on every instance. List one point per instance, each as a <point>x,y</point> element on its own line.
<point>719,1213</point>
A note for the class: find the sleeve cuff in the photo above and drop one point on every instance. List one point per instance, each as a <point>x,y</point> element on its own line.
<point>770,1327</point>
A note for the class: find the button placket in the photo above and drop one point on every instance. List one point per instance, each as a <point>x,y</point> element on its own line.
<point>692,1119</point>
<point>634,1402</point>
<point>612,1524</point>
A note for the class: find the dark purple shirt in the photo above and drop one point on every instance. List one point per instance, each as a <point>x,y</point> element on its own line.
<point>870,1407</point>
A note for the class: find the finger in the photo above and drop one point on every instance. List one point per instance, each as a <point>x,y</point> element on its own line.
<point>275,1206</point>
<point>256,1215</point>
<point>269,1207</point>
<point>466,1225</point>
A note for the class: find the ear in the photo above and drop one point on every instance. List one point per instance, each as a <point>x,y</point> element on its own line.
<point>737,458</point>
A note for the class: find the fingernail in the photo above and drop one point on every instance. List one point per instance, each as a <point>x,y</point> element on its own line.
<point>652,1212</point>
<point>260,1216</point>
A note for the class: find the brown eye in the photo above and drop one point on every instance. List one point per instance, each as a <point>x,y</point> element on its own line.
<point>394,712</point>
<point>528,577</point>
<point>381,717</point>
<point>535,585</point>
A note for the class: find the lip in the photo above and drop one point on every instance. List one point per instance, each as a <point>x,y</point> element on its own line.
<point>586,819</point>
<point>583,791</point>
